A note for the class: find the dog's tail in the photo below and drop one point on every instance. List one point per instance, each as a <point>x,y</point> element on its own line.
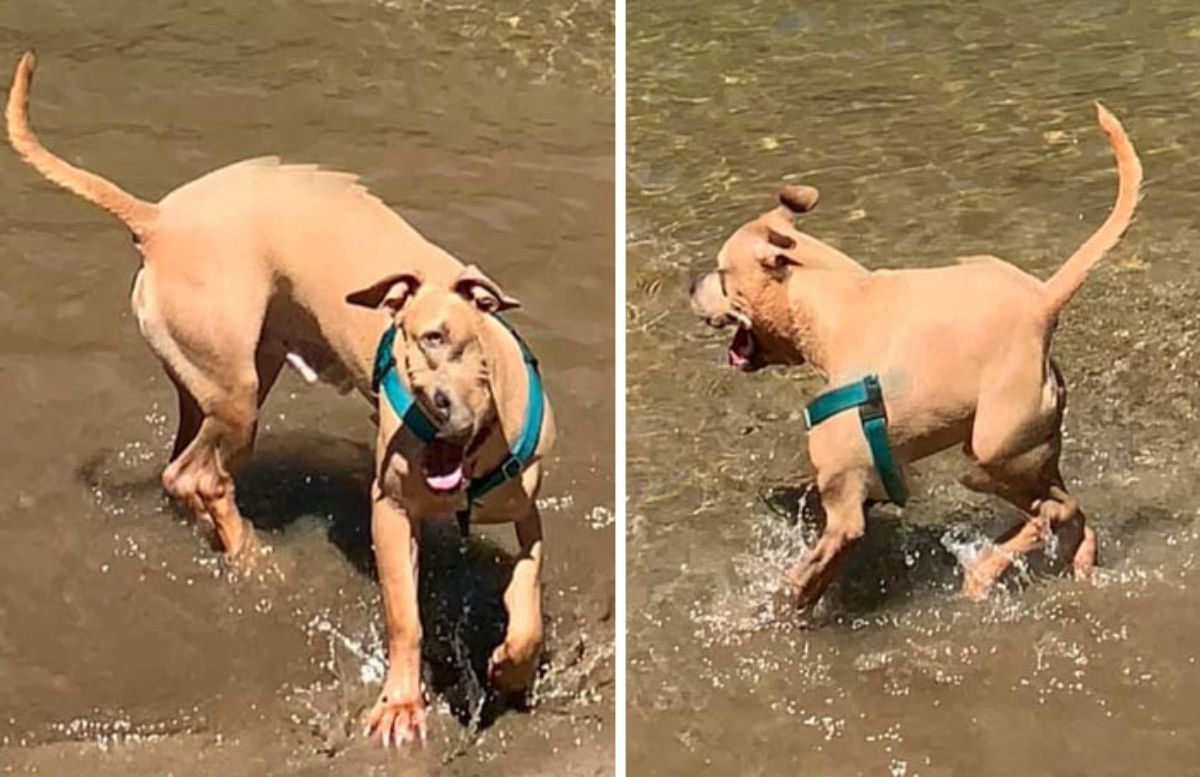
<point>137,214</point>
<point>1063,285</point>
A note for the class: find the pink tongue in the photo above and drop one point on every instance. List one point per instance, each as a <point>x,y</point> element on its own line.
<point>741,350</point>
<point>447,482</point>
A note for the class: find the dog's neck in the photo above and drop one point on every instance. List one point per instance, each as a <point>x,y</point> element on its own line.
<point>806,311</point>
<point>801,313</point>
<point>817,254</point>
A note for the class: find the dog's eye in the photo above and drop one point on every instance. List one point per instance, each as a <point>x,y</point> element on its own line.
<point>433,339</point>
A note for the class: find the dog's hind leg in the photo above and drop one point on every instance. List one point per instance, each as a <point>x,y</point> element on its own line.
<point>201,475</point>
<point>1033,484</point>
<point>221,373</point>
<point>190,418</point>
<point>1016,441</point>
<point>1020,403</point>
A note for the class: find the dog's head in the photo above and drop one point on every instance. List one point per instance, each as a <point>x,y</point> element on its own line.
<point>440,350</point>
<point>747,290</point>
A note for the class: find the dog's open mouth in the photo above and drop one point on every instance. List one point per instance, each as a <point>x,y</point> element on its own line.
<point>446,465</point>
<point>744,352</point>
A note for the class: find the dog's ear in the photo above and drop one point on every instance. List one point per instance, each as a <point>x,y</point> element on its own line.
<point>475,287</point>
<point>799,199</point>
<point>772,256</point>
<point>393,292</point>
<point>780,240</point>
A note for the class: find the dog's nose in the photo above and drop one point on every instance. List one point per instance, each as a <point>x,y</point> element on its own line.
<point>441,403</point>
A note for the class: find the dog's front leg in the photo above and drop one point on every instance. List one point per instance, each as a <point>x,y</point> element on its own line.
<point>513,662</point>
<point>842,496</point>
<point>398,716</point>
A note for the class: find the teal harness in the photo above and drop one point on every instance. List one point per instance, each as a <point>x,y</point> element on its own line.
<point>387,378</point>
<point>867,396</point>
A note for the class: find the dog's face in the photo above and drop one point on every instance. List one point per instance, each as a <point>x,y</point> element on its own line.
<point>439,349</point>
<point>747,290</point>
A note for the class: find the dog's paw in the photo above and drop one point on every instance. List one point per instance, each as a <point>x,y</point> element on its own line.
<point>798,607</point>
<point>1086,556</point>
<point>784,601</point>
<point>981,574</point>
<point>254,560</point>
<point>511,669</point>
<point>397,719</point>
<point>790,603</point>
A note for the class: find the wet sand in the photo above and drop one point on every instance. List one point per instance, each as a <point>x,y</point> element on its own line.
<point>123,649</point>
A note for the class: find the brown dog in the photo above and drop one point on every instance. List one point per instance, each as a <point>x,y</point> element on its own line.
<point>253,266</point>
<point>963,358</point>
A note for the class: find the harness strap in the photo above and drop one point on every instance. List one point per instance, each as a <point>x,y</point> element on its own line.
<point>520,455</point>
<point>531,431</point>
<point>867,396</point>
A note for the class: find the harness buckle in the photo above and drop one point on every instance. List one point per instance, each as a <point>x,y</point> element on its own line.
<point>872,408</point>
<point>511,467</point>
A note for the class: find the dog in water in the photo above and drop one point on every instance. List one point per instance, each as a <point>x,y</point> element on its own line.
<point>261,264</point>
<point>932,358</point>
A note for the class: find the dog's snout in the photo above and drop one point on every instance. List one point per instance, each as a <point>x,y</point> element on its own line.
<point>441,403</point>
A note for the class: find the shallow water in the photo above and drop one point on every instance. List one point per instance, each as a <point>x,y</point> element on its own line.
<point>122,648</point>
<point>932,132</point>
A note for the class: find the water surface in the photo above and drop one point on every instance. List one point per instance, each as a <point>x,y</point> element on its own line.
<point>122,648</point>
<point>933,131</point>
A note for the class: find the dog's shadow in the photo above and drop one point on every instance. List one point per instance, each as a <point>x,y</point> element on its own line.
<point>895,561</point>
<point>319,477</point>
<point>898,561</point>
